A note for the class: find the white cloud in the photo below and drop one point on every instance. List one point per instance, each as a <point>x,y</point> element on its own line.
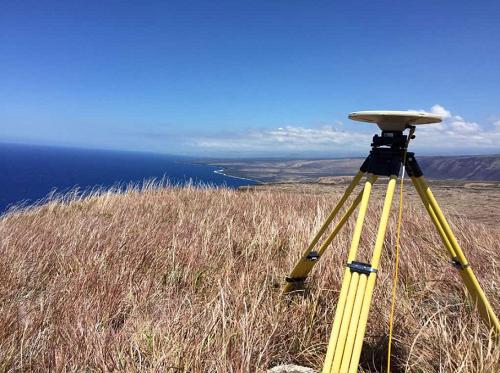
<point>453,135</point>
<point>441,111</point>
<point>456,134</point>
<point>290,138</point>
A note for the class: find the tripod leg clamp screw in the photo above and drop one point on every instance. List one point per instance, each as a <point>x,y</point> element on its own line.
<point>363,268</point>
<point>292,280</point>
<point>312,256</point>
<point>456,263</point>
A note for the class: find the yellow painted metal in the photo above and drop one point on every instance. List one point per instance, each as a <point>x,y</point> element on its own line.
<point>365,308</point>
<point>304,265</point>
<point>355,181</point>
<point>356,236</point>
<point>434,218</point>
<point>341,222</point>
<point>353,326</point>
<point>345,300</point>
<point>339,314</point>
<point>346,320</point>
<point>384,218</point>
<point>468,276</point>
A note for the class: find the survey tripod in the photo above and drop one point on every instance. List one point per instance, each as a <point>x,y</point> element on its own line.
<point>388,154</point>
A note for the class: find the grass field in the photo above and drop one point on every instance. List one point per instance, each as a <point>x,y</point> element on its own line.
<point>188,280</point>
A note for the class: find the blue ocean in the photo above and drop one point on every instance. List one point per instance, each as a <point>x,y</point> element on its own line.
<point>29,173</point>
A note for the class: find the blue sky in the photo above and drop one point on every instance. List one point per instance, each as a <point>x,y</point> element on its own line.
<point>247,78</point>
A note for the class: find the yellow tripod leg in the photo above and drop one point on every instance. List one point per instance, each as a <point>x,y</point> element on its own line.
<point>346,300</point>
<point>305,264</point>
<point>303,268</point>
<point>341,223</point>
<point>470,280</point>
<point>434,218</point>
<point>353,347</point>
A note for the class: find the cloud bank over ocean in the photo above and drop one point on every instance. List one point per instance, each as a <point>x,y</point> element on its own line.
<point>455,135</point>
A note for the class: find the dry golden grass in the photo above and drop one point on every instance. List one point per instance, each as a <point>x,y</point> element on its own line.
<point>186,279</point>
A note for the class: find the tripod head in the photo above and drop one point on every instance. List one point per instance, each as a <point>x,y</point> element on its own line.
<point>393,139</point>
<point>390,148</point>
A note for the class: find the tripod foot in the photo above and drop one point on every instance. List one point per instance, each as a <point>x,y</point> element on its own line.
<point>293,285</point>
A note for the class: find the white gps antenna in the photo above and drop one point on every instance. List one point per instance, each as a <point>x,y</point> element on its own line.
<point>395,120</point>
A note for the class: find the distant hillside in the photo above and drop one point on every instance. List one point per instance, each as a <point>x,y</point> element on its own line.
<point>435,167</point>
<point>463,167</point>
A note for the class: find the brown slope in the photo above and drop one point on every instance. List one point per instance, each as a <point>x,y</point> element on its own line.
<point>456,167</point>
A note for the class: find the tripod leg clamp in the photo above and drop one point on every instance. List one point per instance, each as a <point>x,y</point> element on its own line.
<point>456,263</point>
<point>363,268</point>
<point>312,256</point>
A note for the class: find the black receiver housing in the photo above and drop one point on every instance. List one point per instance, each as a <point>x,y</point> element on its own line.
<point>387,154</point>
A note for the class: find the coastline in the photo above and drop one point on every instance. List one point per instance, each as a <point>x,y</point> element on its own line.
<point>221,172</point>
